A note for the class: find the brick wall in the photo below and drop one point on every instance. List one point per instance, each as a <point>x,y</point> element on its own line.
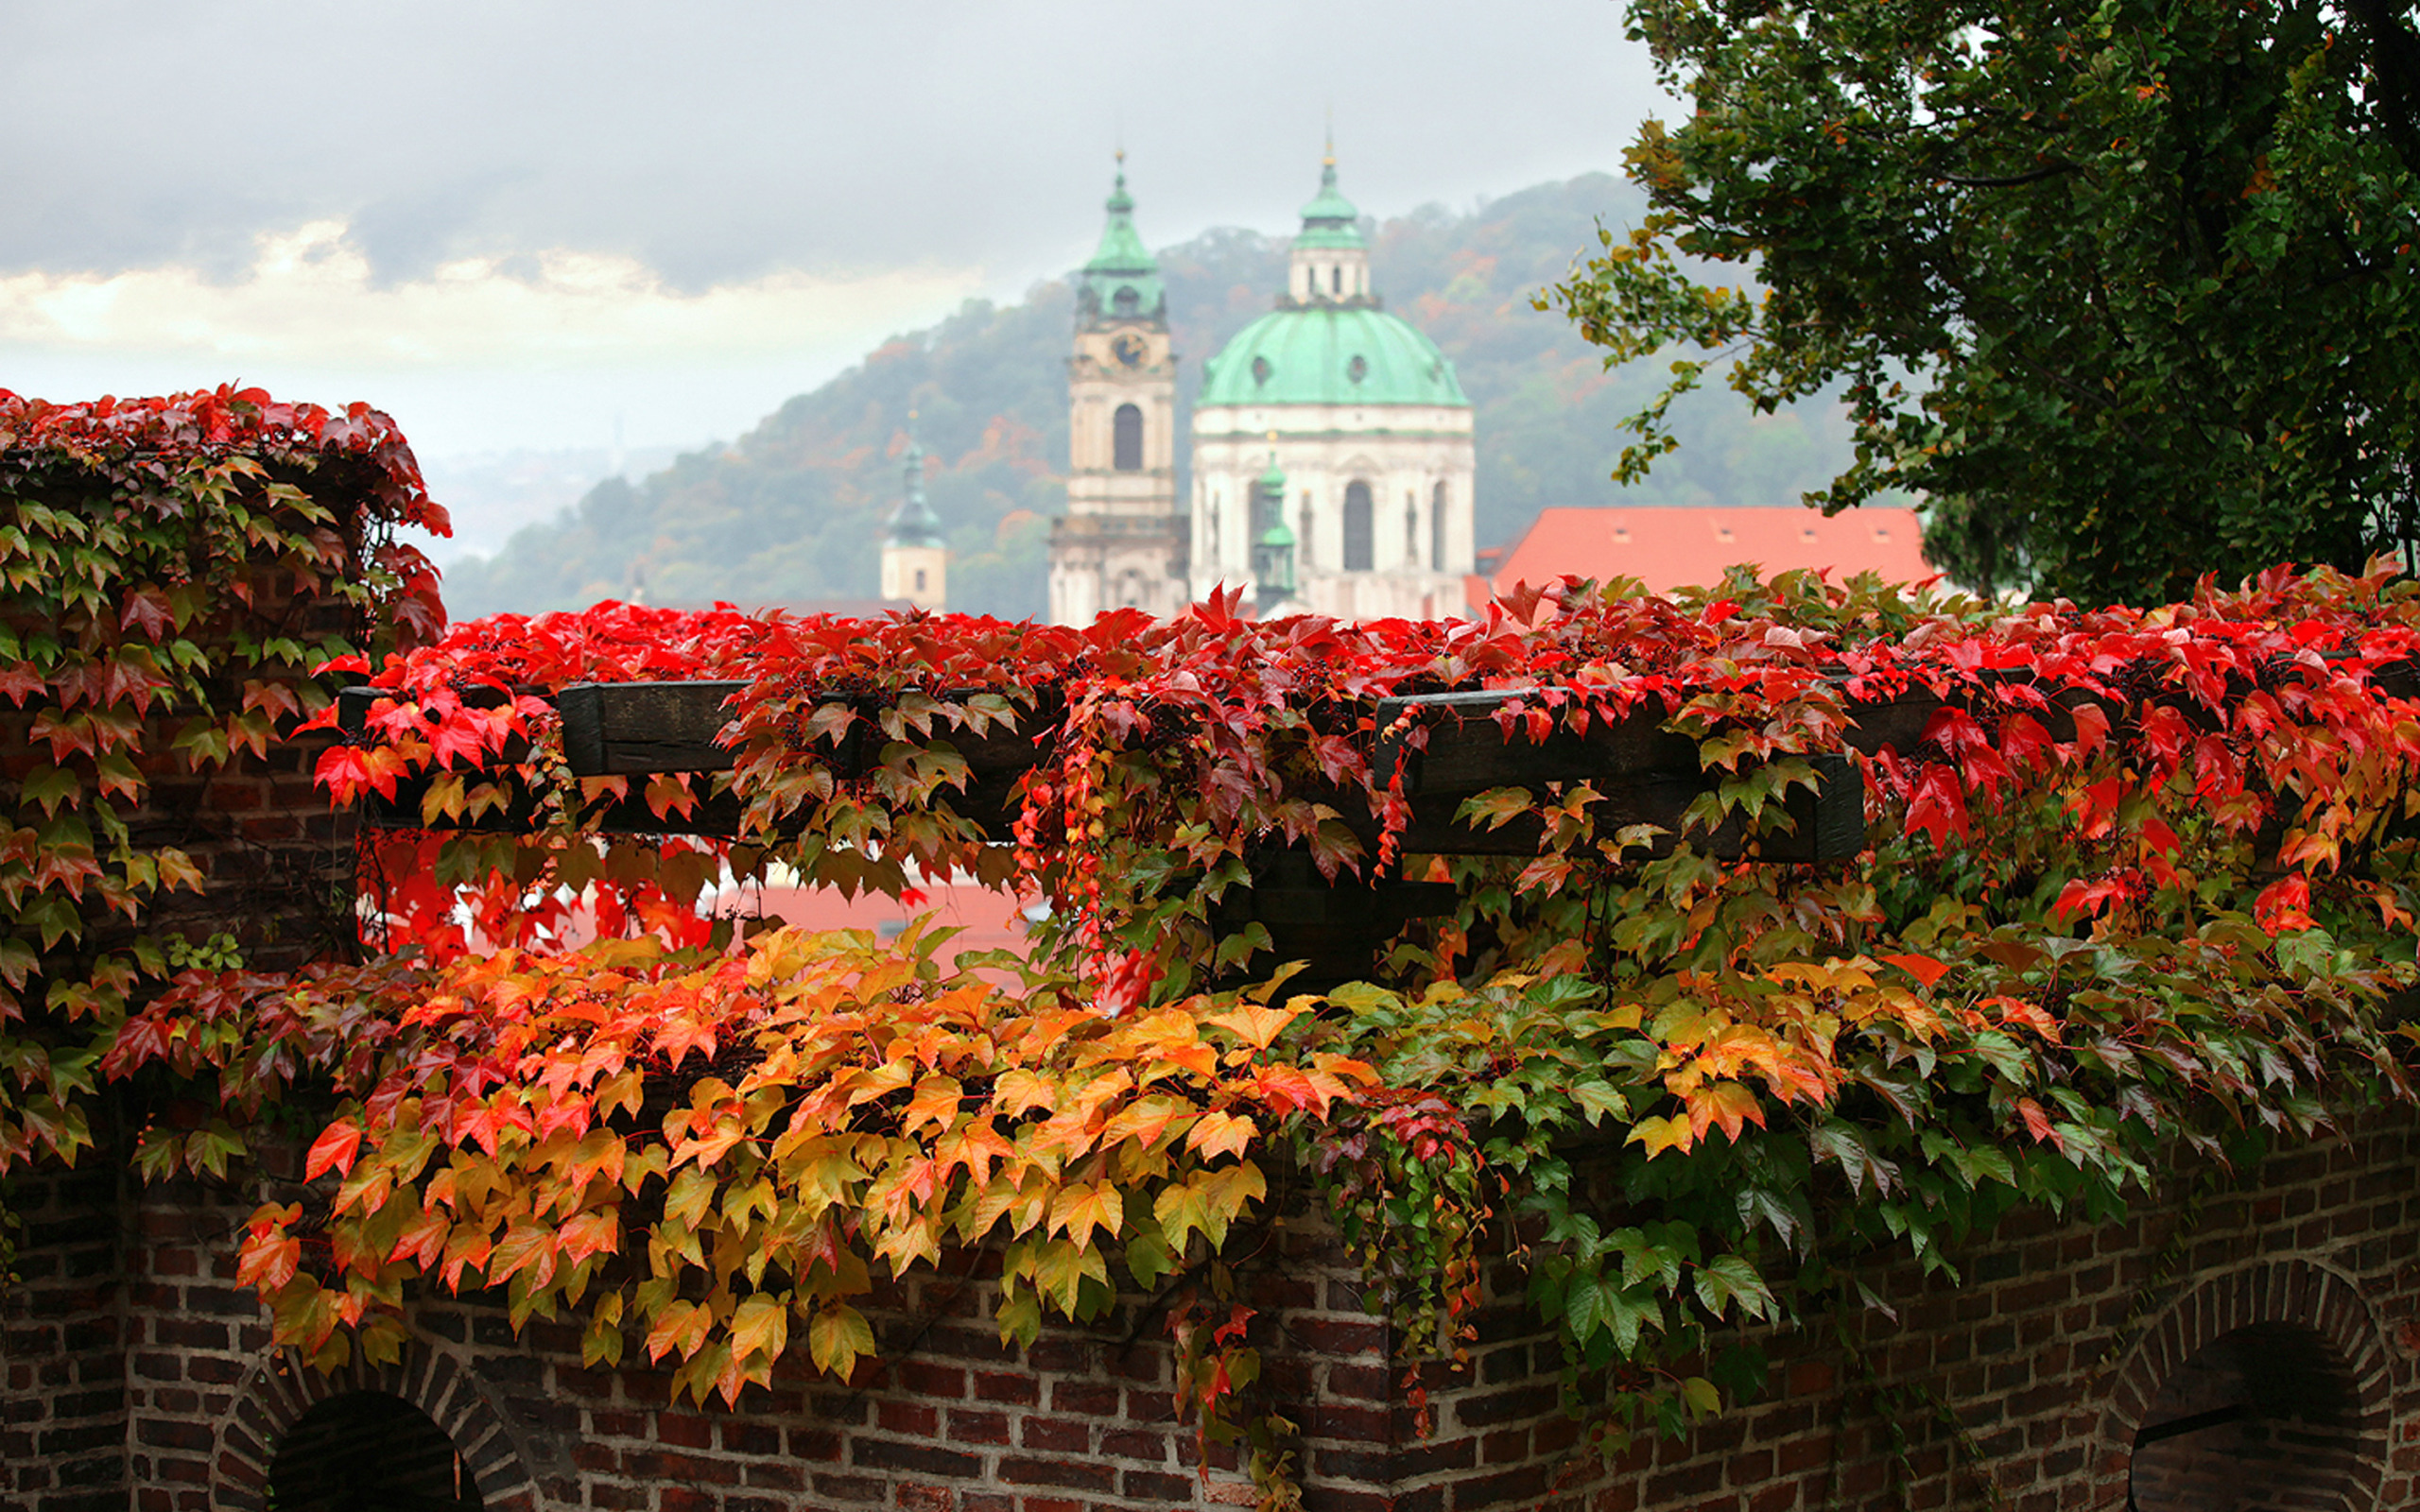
<point>2057,1345</point>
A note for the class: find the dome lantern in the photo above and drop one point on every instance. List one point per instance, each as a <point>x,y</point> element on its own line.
<point>1330,262</point>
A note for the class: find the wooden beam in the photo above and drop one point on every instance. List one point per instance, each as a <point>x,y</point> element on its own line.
<point>632,728</point>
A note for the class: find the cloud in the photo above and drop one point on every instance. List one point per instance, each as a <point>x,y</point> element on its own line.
<point>310,297</point>
<point>725,141</point>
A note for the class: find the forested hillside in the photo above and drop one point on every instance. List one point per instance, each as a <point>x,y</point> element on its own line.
<point>790,511</point>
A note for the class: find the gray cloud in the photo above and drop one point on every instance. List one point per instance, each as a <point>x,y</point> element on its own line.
<point>719,141</point>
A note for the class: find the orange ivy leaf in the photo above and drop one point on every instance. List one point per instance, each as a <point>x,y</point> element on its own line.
<point>423,1238</point>
<point>1728,1104</point>
<point>2037,1122</point>
<point>1923,968</point>
<point>2284,906</point>
<point>336,1147</point>
<point>267,1260</point>
<point>680,1326</point>
<point>596,1232</point>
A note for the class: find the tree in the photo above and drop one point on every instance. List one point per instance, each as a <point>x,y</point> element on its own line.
<point>2128,290</point>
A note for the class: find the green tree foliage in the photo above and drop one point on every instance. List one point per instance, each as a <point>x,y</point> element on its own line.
<point>790,510</point>
<point>2127,289</point>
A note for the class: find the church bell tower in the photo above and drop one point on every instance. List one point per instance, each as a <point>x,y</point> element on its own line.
<point>1123,540</point>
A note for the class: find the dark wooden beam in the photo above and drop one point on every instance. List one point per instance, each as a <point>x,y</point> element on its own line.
<point>630,729</point>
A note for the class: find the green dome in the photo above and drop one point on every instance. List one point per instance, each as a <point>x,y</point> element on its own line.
<point>1330,355</point>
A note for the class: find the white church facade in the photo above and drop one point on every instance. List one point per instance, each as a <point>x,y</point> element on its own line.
<point>1333,456</point>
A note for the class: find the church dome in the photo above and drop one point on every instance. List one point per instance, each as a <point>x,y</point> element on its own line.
<point>1330,355</point>
<point>1328,342</point>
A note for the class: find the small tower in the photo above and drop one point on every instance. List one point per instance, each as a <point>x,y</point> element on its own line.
<point>1124,539</point>
<point>1272,547</point>
<point>915,555</point>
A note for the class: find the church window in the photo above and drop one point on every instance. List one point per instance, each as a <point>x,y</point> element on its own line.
<point>1360,529</point>
<point>1126,439</point>
<point>1410,528</point>
<point>1260,369</point>
<point>1357,368</point>
<point>1303,537</point>
<point>1126,301</point>
<point>1436,528</point>
<point>1335,279</point>
<point>920,579</point>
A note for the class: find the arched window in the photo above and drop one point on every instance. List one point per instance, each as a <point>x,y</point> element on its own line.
<point>1126,439</point>
<point>1335,278</point>
<point>368,1449</point>
<point>2269,1415</point>
<point>1126,301</point>
<point>1437,557</point>
<point>1359,528</point>
<point>1410,528</point>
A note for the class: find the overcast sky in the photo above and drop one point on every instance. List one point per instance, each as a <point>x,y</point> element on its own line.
<point>510,224</point>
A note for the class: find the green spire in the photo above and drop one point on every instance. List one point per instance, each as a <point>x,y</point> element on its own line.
<point>1122,282</point>
<point>1272,550</point>
<point>1329,219</point>
<point>913,522</point>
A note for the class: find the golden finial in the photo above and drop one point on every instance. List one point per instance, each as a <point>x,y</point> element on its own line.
<point>1329,161</point>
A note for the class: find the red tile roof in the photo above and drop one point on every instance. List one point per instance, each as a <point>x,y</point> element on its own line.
<point>1669,548</point>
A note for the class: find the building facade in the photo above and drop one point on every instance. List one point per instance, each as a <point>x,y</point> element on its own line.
<point>1358,410</point>
<point>1122,542</point>
<point>1364,417</point>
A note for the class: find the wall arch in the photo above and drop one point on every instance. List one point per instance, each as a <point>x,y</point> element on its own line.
<point>2197,1372</point>
<point>283,1387</point>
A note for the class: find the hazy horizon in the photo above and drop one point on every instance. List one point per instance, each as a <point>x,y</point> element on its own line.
<point>509,227</point>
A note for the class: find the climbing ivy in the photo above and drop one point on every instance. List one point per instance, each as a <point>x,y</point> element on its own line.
<point>2135,882</point>
<point>175,574</point>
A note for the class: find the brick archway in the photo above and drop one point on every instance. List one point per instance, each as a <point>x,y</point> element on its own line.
<point>2293,1297</point>
<point>283,1387</point>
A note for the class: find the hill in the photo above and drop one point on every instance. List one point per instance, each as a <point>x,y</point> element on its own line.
<point>789,510</point>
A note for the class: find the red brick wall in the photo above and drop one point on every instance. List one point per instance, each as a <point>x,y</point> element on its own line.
<point>2057,1343</point>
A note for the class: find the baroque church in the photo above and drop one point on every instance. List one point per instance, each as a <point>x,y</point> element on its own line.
<point>1332,451</point>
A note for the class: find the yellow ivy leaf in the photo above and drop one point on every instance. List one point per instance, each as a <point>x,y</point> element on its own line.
<point>839,1334</point>
<point>692,1193</point>
<point>761,1326</point>
<point>1661,1134</point>
<point>1084,1206</point>
<point>1221,1134</point>
<point>1256,1024</point>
